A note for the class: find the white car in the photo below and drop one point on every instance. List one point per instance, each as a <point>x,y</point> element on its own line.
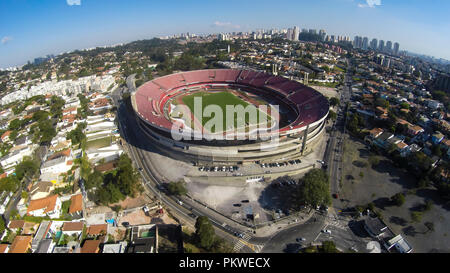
<point>145,208</point>
<point>326,231</point>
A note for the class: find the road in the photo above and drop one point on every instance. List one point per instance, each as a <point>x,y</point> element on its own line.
<point>334,152</point>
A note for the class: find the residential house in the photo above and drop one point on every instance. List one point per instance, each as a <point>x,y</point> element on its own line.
<point>91,246</point>
<point>376,132</point>
<point>415,130</point>
<point>72,228</point>
<point>437,137</point>
<point>70,111</point>
<point>41,234</point>
<point>76,205</point>
<point>382,140</point>
<point>46,246</point>
<point>108,153</point>
<point>49,206</point>
<point>23,140</point>
<point>16,225</point>
<point>141,243</point>
<point>15,156</point>
<point>5,136</point>
<point>56,165</point>
<point>119,247</point>
<point>21,244</point>
<point>41,189</point>
<point>4,248</point>
<point>97,230</point>
<point>401,146</point>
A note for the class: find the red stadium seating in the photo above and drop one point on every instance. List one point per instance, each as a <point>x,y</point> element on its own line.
<point>152,96</point>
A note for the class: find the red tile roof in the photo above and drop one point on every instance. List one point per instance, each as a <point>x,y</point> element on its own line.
<point>47,203</point>
<point>3,248</point>
<point>76,203</point>
<point>72,226</point>
<point>97,229</point>
<point>21,244</point>
<point>91,246</point>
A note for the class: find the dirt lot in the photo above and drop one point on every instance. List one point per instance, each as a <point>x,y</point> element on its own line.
<point>138,201</point>
<point>136,217</point>
<point>381,182</point>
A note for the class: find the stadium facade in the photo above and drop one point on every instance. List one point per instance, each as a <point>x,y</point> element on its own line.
<point>302,124</point>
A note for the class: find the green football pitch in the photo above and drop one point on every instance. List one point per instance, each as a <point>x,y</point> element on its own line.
<point>221,99</point>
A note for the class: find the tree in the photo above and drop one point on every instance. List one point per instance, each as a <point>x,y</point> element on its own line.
<point>428,205</point>
<point>15,124</point>
<point>329,247</point>
<point>334,101</point>
<point>314,188</point>
<point>382,102</point>
<point>27,168</point>
<point>416,216</point>
<point>404,105</point>
<point>77,135</point>
<point>114,187</point>
<point>94,180</point>
<point>374,160</point>
<point>398,199</point>
<point>332,115</point>
<point>177,188</point>
<point>423,182</point>
<point>204,232</point>
<point>2,225</point>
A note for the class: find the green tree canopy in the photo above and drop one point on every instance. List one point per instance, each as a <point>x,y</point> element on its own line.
<point>398,199</point>
<point>315,188</point>
<point>334,101</point>
<point>177,188</point>
<point>204,232</point>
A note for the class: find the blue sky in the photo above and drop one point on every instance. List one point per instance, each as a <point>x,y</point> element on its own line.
<point>33,28</point>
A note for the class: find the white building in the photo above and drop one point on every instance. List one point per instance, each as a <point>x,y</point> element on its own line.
<point>15,157</point>
<point>49,206</point>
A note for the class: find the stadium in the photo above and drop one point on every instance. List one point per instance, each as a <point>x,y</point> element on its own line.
<point>166,112</point>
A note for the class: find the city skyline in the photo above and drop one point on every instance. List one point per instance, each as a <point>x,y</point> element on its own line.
<point>54,27</point>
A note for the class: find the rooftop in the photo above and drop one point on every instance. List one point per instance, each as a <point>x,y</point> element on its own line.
<point>91,246</point>
<point>47,203</point>
<point>76,203</point>
<point>72,226</point>
<point>375,225</point>
<point>97,229</point>
<point>21,244</point>
<point>13,224</point>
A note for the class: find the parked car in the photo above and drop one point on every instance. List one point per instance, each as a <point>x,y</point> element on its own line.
<point>145,208</point>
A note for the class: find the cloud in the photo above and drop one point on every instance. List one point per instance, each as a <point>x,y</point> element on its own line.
<point>74,2</point>
<point>6,39</point>
<point>370,4</point>
<point>225,24</point>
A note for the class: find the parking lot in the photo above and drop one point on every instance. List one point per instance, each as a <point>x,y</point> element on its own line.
<point>380,183</point>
